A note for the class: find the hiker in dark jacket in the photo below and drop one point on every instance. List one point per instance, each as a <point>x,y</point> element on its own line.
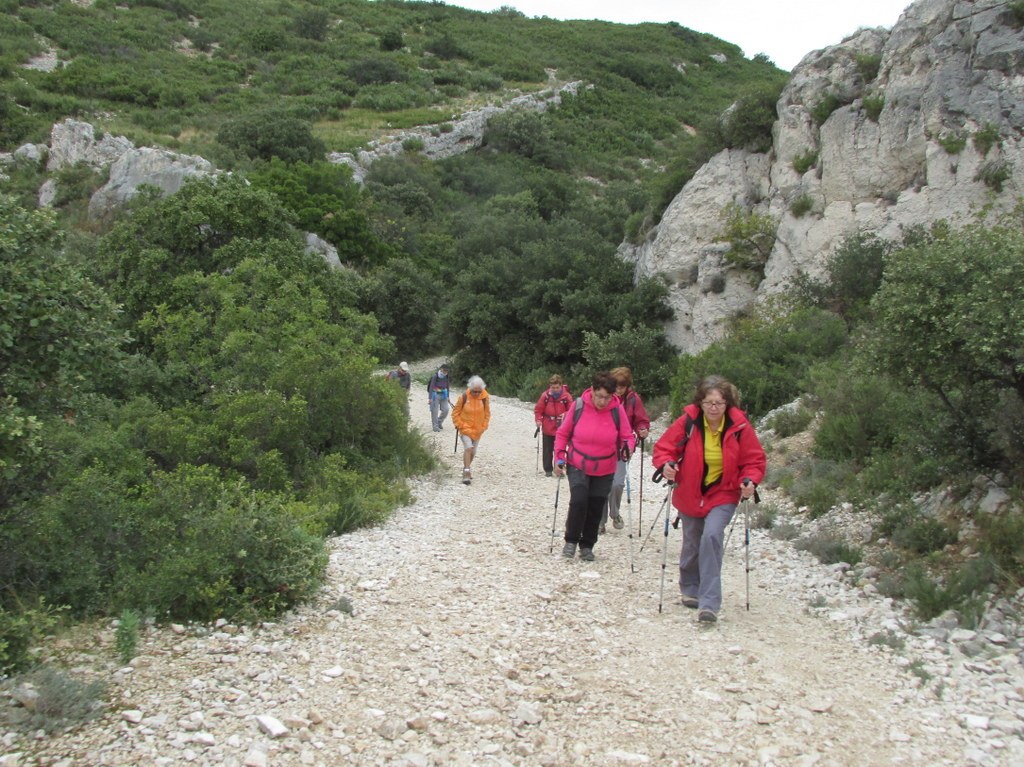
<point>548,413</point>
<point>437,390</point>
<point>404,380</point>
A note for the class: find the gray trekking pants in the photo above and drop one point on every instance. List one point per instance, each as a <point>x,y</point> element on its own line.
<point>438,411</point>
<point>700,561</point>
<point>611,509</point>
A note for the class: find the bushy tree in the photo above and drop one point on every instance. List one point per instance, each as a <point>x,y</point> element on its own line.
<point>272,134</point>
<point>950,317</point>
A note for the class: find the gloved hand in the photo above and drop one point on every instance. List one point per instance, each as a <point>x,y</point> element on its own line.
<point>624,452</point>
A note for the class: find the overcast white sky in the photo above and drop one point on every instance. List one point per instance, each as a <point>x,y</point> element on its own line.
<point>785,30</point>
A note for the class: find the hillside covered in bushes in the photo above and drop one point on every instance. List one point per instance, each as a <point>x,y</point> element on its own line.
<point>188,402</point>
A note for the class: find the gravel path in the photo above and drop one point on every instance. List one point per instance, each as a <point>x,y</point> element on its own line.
<point>468,643</point>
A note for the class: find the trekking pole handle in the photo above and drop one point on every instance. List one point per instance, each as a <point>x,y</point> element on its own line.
<point>536,431</point>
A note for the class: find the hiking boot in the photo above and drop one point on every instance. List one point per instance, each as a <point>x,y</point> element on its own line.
<point>587,555</point>
<point>617,522</point>
<point>707,616</point>
<point>467,476</point>
<point>569,550</point>
<point>690,602</point>
<point>547,474</point>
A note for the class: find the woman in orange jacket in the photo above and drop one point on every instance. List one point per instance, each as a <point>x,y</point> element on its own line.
<point>471,416</point>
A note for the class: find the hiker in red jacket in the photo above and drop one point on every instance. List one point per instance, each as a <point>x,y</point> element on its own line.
<point>592,437</point>
<point>714,457</point>
<point>548,413</point>
<point>640,423</point>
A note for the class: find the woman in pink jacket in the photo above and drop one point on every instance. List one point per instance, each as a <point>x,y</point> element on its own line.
<point>592,438</point>
<point>715,459</point>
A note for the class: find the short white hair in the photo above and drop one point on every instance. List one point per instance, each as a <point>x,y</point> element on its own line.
<point>475,382</point>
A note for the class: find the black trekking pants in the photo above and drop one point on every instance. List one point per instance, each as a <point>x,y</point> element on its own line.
<point>587,497</point>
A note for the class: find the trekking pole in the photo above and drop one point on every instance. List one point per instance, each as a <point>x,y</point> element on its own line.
<point>554,518</point>
<point>629,522</point>
<point>536,438</point>
<point>664,557</point>
<point>656,517</point>
<point>746,544</point>
<point>456,448</point>
<point>640,522</point>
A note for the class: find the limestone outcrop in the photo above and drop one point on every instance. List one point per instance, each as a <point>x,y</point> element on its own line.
<point>928,126</point>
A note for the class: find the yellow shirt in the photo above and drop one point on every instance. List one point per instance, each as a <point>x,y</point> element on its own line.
<point>713,451</point>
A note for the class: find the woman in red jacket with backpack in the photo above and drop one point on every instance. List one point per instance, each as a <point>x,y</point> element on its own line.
<point>548,413</point>
<point>714,457</point>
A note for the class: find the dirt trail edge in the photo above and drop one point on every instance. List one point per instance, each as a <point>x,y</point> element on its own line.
<point>468,643</point>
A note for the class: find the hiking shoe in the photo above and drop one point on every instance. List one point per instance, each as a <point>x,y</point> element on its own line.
<point>617,522</point>
<point>547,474</point>
<point>690,602</point>
<point>602,531</point>
<point>569,550</point>
<point>587,555</point>
<point>707,616</point>
<point>467,476</point>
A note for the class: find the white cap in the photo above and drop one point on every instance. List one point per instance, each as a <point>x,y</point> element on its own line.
<point>403,366</point>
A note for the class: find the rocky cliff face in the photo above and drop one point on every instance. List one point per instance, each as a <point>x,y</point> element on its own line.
<point>950,74</point>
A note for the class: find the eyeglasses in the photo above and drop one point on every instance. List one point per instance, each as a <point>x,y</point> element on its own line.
<point>477,392</point>
<point>712,405</point>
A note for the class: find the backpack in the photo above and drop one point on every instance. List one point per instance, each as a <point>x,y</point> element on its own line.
<point>577,413</point>
<point>486,401</point>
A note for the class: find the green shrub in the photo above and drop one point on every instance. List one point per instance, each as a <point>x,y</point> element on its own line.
<point>873,105</point>
<point>801,205</point>
<point>963,591</point>
<point>993,174</point>
<point>786,423</point>
<point>830,550</point>
<point>1002,538</point>
<point>785,531</point>
<point>21,626</point>
<point>126,636</point>
<point>1016,9</point>
<point>867,65</point>
<point>820,486</point>
<point>923,536</point>
<point>391,40</point>
<point>953,143</point>
<point>413,144</point>
<point>805,161</point>
<point>986,138</point>
<point>828,104</point>
<point>750,235</point>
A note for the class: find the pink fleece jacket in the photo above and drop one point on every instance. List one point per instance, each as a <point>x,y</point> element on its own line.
<point>592,443</point>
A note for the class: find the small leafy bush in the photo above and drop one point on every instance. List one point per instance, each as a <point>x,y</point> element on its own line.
<point>887,638</point>
<point>1016,9</point>
<point>923,536</point>
<point>20,628</point>
<point>413,144</point>
<point>801,205</point>
<point>986,138</point>
<point>993,174</point>
<point>963,591</point>
<point>750,235</point>
<point>829,103</point>
<point>873,105</point>
<point>1002,538</point>
<point>867,65</point>
<point>805,161</point>
<point>830,550</point>
<point>819,488</point>
<point>126,636</point>
<point>786,423</point>
<point>953,143</point>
